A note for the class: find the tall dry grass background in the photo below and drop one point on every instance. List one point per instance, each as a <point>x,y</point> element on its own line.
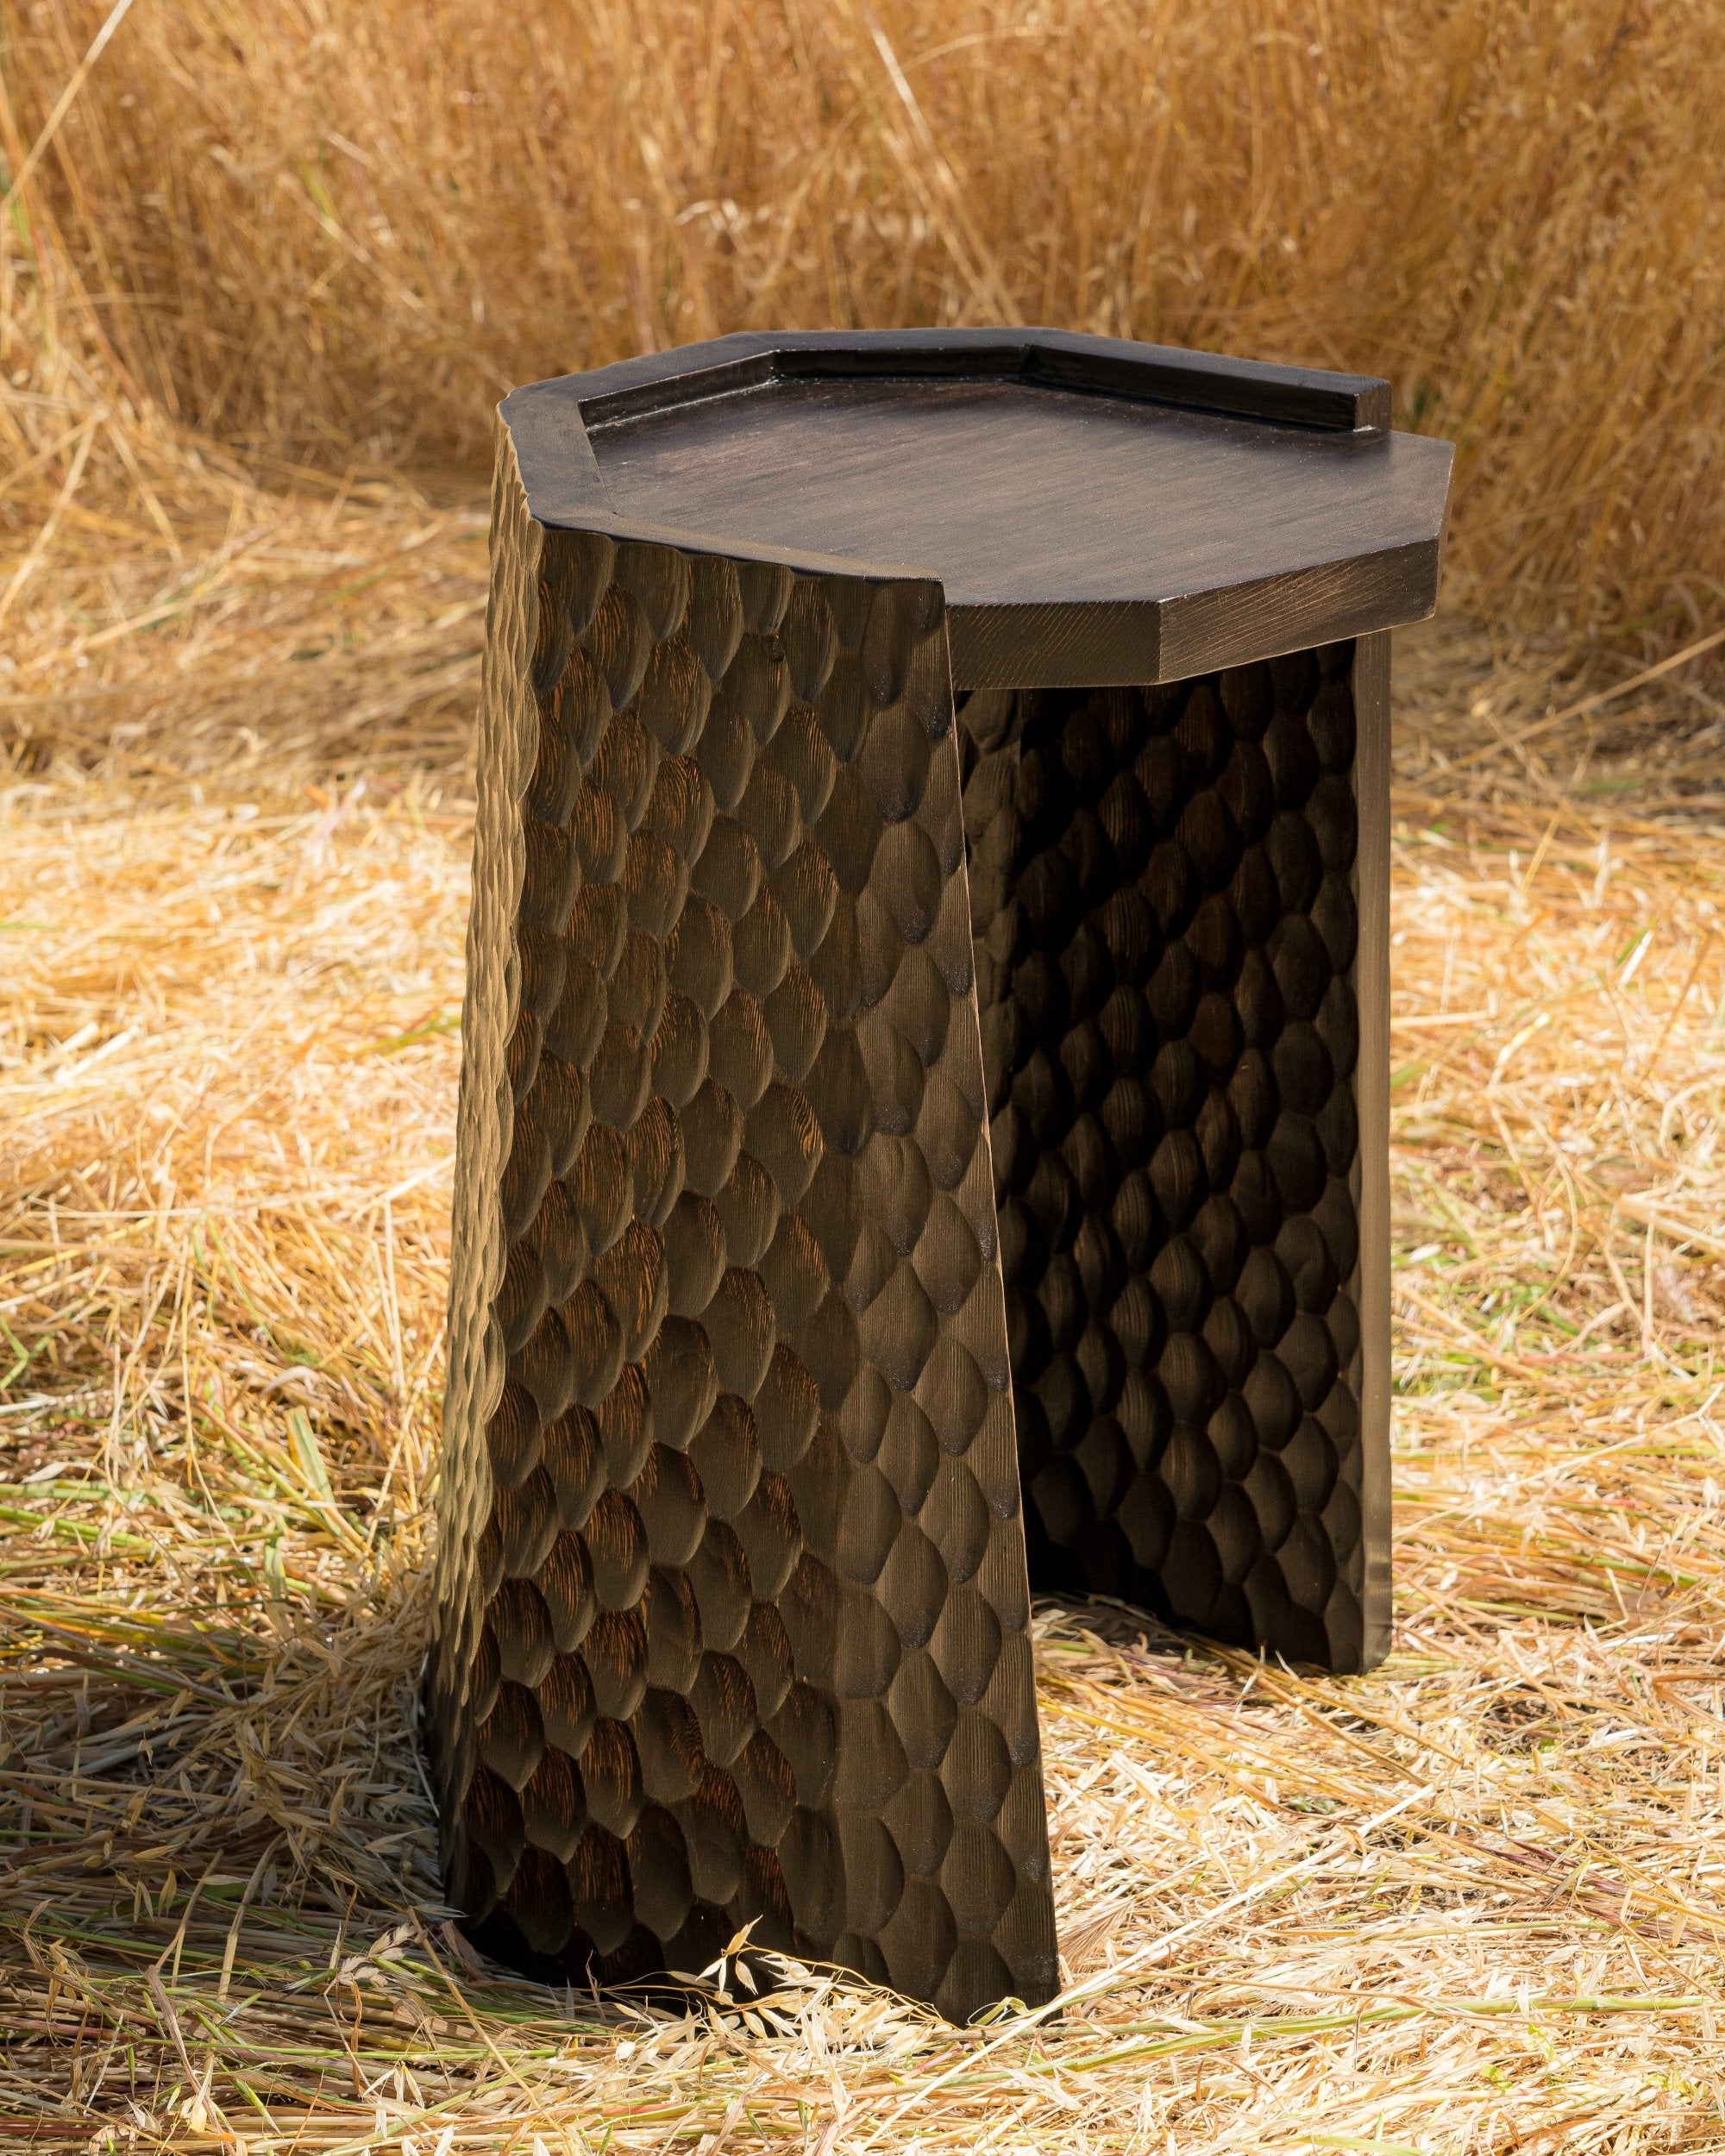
<point>263,269</point>
<point>338,232</point>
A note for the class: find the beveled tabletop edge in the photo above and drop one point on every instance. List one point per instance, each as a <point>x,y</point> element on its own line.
<point>1053,359</point>
<point>802,560</point>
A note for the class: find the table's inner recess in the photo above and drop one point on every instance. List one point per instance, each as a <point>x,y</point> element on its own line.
<point>1162,891</point>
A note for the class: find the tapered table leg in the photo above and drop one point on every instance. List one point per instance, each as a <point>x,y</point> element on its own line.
<point>1181,911</point>
<point>732,1609</point>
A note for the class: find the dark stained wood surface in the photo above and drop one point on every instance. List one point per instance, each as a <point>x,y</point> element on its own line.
<point>1161,515</point>
<point>732,1615</point>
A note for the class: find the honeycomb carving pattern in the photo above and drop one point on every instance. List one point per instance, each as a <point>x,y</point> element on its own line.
<point>1166,929</point>
<point>738,1621</point>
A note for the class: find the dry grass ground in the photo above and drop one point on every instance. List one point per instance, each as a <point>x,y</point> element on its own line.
<point>1475,1902</point>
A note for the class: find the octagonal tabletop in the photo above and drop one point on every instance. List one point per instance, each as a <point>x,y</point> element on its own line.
<point>1097,512</point>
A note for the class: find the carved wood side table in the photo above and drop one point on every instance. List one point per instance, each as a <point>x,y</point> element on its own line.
<point>923,1109</point>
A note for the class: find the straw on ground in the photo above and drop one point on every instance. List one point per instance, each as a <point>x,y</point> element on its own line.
<point>1473,1902</point>
<point>1469,1902</point>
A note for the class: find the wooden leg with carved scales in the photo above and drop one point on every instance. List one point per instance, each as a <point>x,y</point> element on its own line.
<point>733,1605</point>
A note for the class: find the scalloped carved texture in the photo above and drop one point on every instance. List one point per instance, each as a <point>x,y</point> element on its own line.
<point>483,1117</point>
<point>733,1606</point>
<point>1165,912</point>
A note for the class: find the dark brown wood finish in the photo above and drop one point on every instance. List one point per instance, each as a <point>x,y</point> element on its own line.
<point>1178,903</point>
<point>877,1102</point>
<point>731,1611</point>
<point>1097,512</point>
